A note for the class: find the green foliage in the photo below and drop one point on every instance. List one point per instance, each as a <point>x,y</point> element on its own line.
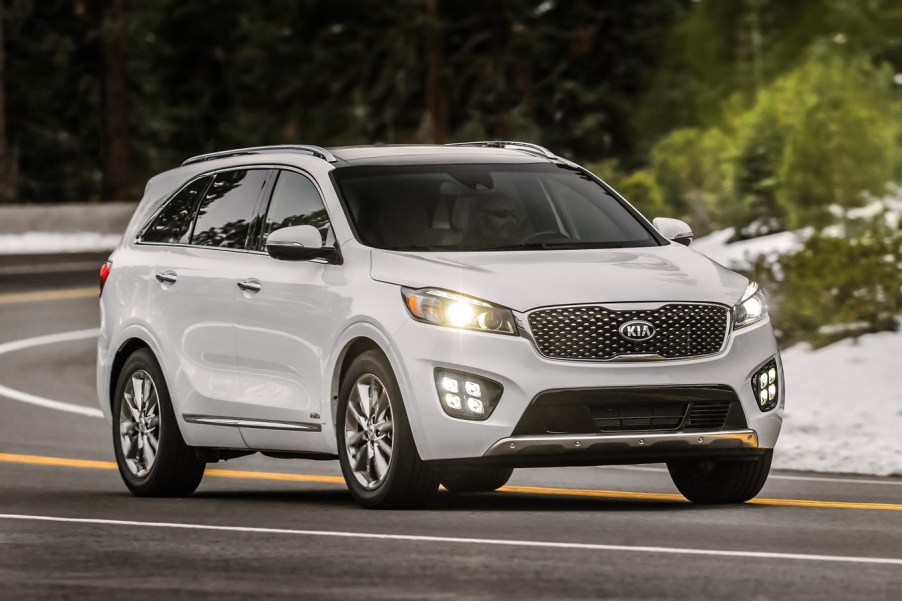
<point>841,284</point>
<point>844,144</point>
<point>693,168</point>
<point>640,187</point>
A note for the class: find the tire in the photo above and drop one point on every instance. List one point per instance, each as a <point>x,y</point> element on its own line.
<point>474,478</point>
<point>718,482</point>
<point>366,427</point>
<point>174,470</point>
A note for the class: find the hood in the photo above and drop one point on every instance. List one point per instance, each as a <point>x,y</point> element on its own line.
<point>525,280</point>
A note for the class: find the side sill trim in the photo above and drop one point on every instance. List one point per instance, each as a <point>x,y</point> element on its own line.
<point>575,443</point>
<point>253,423</point>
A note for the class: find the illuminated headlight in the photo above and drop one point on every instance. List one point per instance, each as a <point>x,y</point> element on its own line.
<point>752,307</point>
<point>444,308</point>
<point>766,387</point>
<point>466,396</point>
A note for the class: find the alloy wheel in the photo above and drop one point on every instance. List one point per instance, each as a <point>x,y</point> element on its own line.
<point>139,423</point>
<point>369,431</point>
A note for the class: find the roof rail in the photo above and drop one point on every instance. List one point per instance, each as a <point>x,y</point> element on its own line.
<point>525,146</point>
<point>316,151</point>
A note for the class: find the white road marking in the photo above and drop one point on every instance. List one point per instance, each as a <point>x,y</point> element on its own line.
<point>31,399</point>
<point>772,476</point>
<point>470,541</point>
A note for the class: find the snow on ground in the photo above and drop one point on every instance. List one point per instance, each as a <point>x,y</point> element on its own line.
<point>843,401</point>
<point>34,243</point>
<point>844,407</point>
<point>740,255</point>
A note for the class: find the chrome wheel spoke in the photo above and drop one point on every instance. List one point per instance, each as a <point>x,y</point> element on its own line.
<point>148,455</point>
<point>138,392</point>
<point>361,461</point>
<point>356,416</point>
<point>354,441</point>
<point>363,398</point>
<point>153,443</point>
<point>386,426</point>
<point>380,463</point>
<point>380,407</point>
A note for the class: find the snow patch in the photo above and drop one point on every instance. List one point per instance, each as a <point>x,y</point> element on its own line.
<point>35,243</point>
<point>843,407</point>
<point>741,254</point>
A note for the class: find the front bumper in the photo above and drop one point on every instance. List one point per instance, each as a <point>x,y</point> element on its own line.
<point>514,362</point>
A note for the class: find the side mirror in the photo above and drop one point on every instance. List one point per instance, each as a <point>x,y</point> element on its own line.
<point>300,243</point>
<point>674,229</point>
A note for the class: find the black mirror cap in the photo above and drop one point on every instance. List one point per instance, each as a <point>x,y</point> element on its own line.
<point>293,252</point>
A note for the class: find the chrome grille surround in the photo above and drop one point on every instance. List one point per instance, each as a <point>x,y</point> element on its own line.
<point>590,332</point>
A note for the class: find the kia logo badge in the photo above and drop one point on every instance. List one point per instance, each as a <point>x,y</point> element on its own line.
<point>636,330</point>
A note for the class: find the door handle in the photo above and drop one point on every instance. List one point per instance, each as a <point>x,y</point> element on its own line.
<point>167,277</point>
<point>250,285</point>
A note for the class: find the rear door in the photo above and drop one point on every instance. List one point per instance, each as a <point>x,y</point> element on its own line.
<point>192,303</point>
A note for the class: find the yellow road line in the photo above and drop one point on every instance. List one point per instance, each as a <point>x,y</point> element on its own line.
<point>47,295</point>
<point>529,490</point>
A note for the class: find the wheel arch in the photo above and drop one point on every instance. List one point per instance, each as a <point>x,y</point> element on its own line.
<point>125,350</point>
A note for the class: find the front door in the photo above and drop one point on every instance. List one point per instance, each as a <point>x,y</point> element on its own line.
<point>285,326</point>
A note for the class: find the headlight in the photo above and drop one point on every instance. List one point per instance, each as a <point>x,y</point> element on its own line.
<point>752,307</point>
<point>443,308</point>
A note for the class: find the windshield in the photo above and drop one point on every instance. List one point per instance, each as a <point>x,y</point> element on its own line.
<point>482,207</point>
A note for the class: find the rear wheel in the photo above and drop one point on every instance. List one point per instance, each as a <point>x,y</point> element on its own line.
<point>710,482</point>
<point>376,450</point>
<point>474,478</point>
<point>153,459</point>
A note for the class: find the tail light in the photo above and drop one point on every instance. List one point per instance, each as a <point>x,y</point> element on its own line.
<point>105,273</point>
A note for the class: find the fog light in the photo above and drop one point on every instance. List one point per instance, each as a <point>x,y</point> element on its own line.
<point>475,405</point>
<point>482,394</point>
<point>765,386</point>
<point>452,401</point>
<point>450,384</point>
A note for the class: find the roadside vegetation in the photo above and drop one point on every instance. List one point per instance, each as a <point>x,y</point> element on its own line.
<point>758,115</point>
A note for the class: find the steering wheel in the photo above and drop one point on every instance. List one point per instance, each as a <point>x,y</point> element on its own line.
<point>544,236</point>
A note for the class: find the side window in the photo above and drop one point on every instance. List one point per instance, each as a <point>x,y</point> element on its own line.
<point>227,209</point>
<point>173,224</point>
<point>296,201</point>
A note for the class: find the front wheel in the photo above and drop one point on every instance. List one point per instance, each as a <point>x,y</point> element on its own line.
<point>376,450</point>
<point>153,459</point>
<point>723,481</point>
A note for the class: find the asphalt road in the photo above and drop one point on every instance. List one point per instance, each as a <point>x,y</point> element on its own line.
<point>267,528</point>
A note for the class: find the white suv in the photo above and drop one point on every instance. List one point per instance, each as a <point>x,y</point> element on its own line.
<point>426,315</point>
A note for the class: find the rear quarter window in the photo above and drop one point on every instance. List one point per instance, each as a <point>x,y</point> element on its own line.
<point>172,225</point>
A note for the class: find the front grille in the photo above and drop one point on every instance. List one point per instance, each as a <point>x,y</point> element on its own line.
<point>626,416</point>
<point>632,409</point>
<point>591,332</point>
<point>708,415</point>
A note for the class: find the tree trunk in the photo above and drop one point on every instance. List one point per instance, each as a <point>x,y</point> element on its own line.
<point>434,125</point>
<point>6,192</point>
<point>115,135</point>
